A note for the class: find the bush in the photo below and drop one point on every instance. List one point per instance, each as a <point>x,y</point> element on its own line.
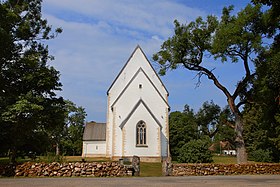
<point>195,151</point>
<point>260,155</point>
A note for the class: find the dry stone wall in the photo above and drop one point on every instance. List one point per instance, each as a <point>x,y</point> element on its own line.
<point>94,169</point>
<point>224,169</point>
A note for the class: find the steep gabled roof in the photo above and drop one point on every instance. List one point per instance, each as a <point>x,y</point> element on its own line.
<point>137,47</point>
<point>133,110</point>
<point>95,132</point>
<point>131,80</point>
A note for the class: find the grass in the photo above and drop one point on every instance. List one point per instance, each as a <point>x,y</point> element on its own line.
<point>88,159</point>
<point>224,159</point>
<point>150,169</point>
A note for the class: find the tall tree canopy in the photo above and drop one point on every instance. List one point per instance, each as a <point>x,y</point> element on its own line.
<point>262,117</point>
<point>235,38</point>
<point>28,101</point>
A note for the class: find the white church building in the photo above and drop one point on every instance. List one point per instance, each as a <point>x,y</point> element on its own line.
<point>137,116</point>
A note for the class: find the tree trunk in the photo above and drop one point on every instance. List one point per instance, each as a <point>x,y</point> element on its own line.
<point>239,141</point>
<point>13,155</point>
<point>57,149</point>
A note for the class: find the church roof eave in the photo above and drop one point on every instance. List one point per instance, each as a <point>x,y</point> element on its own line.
<point>133,110</point>
<point>134,76</point>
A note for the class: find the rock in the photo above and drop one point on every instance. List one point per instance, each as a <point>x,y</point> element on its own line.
<point>136,165</point>
<point>76,169</point>
<point>69,174</point>
<point>99,166</point>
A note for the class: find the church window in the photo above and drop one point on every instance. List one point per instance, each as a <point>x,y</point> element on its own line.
<point>141,134</point>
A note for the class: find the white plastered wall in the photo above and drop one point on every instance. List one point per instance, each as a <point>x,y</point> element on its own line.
<point>94,148</point>
<point>155,97</point>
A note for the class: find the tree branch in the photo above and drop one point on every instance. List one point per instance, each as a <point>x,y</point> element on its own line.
<point>226,122</point>
<point>212,134</point>
<point>242,84</point>
<point>210,76</point>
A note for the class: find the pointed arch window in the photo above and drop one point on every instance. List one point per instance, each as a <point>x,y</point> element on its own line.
<point>141,134</point>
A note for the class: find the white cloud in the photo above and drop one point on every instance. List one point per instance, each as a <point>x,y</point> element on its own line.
<point>98,38</point>
<point>145,16</point>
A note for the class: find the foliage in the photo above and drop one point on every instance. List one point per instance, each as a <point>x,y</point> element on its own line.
<point>183,128</point>
<point>210,121</point>
<point>261,115</point>
<point>28,102</point>
<point>71,140</point>
<point>195,151</point>
<point>235,38</point>
<point>260,155</point>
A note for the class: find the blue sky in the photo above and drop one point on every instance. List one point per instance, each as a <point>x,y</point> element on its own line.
<point>99,36</point>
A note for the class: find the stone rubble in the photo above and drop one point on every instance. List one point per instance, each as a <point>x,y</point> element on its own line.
<point>224,169</point>
<point>94,169</point>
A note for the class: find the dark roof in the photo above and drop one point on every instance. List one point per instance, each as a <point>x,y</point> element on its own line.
<point>138,46</point>
<point>95,132</point>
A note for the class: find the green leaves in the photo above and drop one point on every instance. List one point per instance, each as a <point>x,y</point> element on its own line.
<point>195,151</point>
<point>239,36</point>
<point>21,110</point>
<point>27,83</point>
<point>187,46</point>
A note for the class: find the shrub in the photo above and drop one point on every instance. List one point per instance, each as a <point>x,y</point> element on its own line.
<point>195,151</point>
<point>260,155</point>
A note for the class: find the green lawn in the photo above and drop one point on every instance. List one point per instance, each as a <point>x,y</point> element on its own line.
<point>224,159</point>
<point>150,169</point>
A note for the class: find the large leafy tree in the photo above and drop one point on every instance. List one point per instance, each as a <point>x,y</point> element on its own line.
<point>72,137</point>
<point>208,118</point>
<point>234,38</point>
<point>28,101</point>
<point>183,128</point>
<point>262,117</point>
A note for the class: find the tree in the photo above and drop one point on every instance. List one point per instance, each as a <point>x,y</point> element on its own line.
<point>195,151</point>
<point>72,138</point>
<point>208,118</point>
<point>235,38</point>
<point>262,131</point>
<point>27,82</point>
<point>183,128</point>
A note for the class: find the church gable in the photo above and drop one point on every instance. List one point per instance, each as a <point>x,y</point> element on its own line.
<point>136,61</point>
<point>140,85</point>
<point>140,102</point>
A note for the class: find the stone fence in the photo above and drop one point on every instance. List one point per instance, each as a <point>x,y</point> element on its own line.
<point>95,169</point>
<point>220,169</point>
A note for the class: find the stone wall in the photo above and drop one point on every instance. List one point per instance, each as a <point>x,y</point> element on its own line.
<point>94,169</point>
<point>223,169</point>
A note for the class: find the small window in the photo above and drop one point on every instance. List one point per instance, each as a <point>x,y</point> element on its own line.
<point>96,147</point>
<point>140,86</point>
<point>141,134</point>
